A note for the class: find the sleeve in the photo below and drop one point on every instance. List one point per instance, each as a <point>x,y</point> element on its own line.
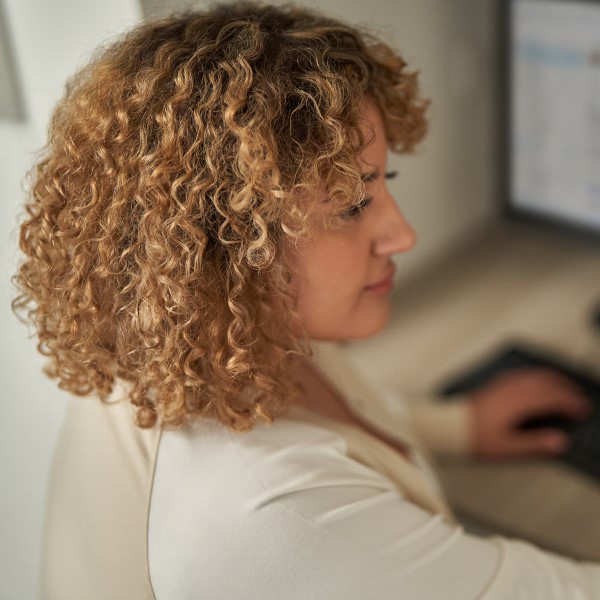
<point>354,528</point>
<point>444,427</point>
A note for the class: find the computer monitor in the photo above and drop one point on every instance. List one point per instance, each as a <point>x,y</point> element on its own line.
<point>552,77</point>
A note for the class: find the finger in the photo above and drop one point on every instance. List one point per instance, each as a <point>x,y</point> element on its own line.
<point>548,378</point>
<point>533,388</point>
<point>540,442</point>
<point>555,376</point>
<point>566,389</point>
<point>573,406</point>
<point>543,391</point>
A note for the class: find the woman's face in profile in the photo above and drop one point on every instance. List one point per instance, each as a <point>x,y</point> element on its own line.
<point>343,277</point>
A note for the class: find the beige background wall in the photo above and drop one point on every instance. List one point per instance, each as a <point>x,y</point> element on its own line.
<point>446,190</point>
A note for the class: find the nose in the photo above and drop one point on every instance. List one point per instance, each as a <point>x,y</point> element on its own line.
<point>395,234</point>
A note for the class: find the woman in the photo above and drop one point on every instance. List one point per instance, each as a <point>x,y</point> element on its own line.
<point>212,201</point>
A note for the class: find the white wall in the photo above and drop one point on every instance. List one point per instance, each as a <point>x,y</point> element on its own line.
<point>446,190</point>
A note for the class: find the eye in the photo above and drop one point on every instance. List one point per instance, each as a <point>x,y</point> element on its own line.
<point>354,211</point>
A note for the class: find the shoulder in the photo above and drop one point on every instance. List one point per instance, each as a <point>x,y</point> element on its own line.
<point>275,498</point>
<point>290,452</point>
<point>294,443</point>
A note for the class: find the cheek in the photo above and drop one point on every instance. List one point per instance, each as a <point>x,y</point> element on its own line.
<point>328,279</point>
<point>334,270</point>
<point>330,283</point>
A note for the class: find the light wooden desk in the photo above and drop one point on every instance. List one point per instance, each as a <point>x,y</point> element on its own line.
<point>515,282</point>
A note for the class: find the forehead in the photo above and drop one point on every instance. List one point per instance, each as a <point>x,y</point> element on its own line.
<point>374,155</point>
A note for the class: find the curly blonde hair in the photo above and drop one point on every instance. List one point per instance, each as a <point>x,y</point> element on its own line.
<point>159,209</point>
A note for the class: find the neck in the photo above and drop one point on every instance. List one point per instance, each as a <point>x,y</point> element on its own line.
<point>320,397</point>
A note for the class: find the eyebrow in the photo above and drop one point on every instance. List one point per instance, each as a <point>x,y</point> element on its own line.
<point>367,177</point>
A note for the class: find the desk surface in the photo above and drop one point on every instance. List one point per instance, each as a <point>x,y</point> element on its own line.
<point>515,282</point>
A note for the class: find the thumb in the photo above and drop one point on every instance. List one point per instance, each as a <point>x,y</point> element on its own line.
<point>541,442</point>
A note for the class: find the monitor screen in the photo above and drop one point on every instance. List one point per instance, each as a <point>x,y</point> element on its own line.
<point>554,106</point>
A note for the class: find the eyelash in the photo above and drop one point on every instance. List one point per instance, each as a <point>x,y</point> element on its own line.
<point>356,210</point>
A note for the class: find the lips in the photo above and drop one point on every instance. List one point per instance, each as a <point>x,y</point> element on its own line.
<point>385,282</point>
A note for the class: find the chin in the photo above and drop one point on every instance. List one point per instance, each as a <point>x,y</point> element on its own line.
<point>360,328</point>
<point>370,331</point>
<point>377,322</point>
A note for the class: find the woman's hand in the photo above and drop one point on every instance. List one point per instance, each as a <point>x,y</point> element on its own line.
<point>503,404</point>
